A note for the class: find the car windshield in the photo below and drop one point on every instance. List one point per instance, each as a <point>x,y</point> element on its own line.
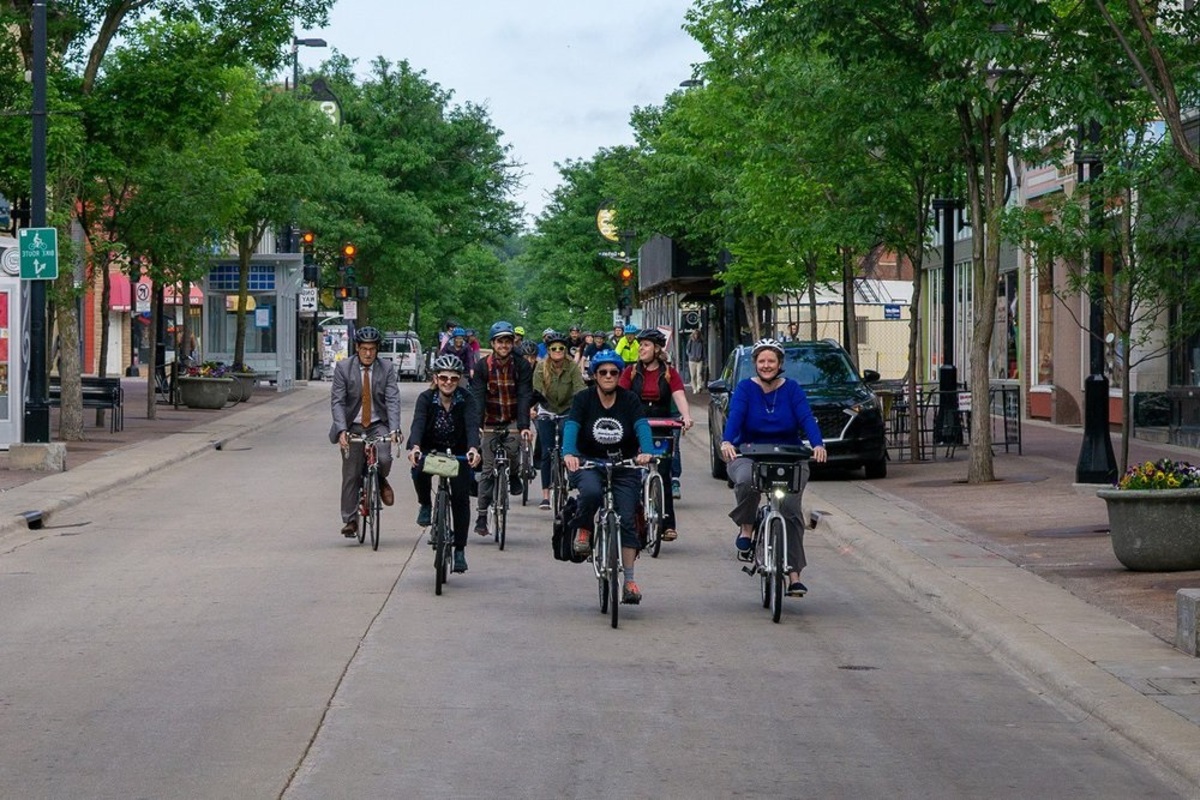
<point>810,367</point>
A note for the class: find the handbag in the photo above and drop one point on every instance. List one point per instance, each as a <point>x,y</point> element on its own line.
<point>440,464</point>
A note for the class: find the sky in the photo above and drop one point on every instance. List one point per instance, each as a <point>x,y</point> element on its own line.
<point>558,77</point>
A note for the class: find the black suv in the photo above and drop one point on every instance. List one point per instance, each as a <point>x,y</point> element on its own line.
<point>846,409</point>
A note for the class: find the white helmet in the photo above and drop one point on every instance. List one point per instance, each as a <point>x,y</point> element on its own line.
<point>767,344</point>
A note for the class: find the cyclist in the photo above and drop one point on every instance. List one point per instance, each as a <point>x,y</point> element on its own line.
<point>556,380</point>
<point>769,409</point>
<point>365,400</point>
<point>518,336</point>
<point>659,386</point>
<point>542,344</point>
<point>457,345</point>
<point>575,342</point>
<point>607,422</point>
<point>473,343</point>
<point>627,346</point>
<point>446,418</point>
<point>502,385</point>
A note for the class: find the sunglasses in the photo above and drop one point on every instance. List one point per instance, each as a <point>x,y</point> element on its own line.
<point>449,378</point>
<point>608,373</point>
<point>558,348</point>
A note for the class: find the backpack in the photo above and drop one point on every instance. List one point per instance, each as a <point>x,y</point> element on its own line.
<point>563,539</point>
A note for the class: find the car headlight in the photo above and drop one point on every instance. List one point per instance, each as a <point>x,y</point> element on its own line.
<point>866,405</point>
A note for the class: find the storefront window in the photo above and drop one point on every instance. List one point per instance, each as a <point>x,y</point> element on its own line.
<point>260,323</point>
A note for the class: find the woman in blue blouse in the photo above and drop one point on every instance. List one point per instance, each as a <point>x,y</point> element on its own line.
<point>769,409</point>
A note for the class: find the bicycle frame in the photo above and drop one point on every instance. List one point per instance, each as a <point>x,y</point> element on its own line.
<point>606,541</point>
<point>558,472</point>
<point>369,500</point>
<point>500,478</point>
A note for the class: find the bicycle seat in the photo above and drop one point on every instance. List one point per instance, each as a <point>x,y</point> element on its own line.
<point>776,452</point>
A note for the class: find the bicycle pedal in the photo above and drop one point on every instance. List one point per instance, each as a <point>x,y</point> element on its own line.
<point>749,571</point>
<point>745,555</point>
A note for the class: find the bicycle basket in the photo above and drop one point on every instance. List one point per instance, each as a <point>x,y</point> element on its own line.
<point>783,474</point>
<point>440,464</point>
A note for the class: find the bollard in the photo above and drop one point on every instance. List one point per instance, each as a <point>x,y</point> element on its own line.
<point>1187,634</point>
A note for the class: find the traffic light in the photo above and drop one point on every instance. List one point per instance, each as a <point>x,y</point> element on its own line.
<point>626,275</point>
<point>308,241</point>
<point>343,293</point>
<point>349,251</point>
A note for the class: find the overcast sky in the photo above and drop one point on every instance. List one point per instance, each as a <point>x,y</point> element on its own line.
<point>558,77</point>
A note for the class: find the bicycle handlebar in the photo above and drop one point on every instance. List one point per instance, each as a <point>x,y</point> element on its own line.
<point>626,463</point>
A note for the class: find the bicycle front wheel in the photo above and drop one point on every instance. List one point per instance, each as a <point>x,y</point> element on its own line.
<point>375,506</point>
<point>778,569</point>
<point>364,506</point>
<point>599,561</point>
<point>500,503</point>
<point>558,485</point>
<point>612,560</point>
<point>443,540</point>
<point>762,556</point>
<point>654,503</point>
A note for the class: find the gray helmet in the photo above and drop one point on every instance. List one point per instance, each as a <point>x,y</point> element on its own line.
<point>449,363</point>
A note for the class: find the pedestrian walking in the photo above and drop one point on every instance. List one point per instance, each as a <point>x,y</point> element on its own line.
<point>694,350</point>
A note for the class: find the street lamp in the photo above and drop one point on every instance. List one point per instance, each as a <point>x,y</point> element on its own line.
<point>947,428</point>
<point>296,45</point>
<point>1096,464</point>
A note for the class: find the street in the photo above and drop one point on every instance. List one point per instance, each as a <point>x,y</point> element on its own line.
<point>208,633</point>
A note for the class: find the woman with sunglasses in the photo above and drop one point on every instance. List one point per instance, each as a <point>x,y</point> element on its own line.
<point>446,418</point>
<point>556,380</point>
<point>607,422</point>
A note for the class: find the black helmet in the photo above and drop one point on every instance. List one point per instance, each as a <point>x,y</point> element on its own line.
<point>368,334</point>
<point>555,336</point>
<point>528,348</point>
<point>653,335</point>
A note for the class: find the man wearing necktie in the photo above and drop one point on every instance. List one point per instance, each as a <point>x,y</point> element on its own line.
<point>365,399</point>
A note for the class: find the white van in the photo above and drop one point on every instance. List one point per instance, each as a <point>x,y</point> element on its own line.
<point>402,349</point>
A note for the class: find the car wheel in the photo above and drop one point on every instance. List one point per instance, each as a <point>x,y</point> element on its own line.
<point>876,469</point>
<point>717,463</point>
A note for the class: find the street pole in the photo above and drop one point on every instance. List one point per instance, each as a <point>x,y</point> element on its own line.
<point>1097,463</point>
<point>947,429</point>
<point>37,407</point>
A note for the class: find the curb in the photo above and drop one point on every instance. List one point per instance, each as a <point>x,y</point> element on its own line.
<point>964,601</point>
<point>30,506</point>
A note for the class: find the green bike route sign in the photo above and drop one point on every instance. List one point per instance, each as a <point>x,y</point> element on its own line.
<point>39,253</point>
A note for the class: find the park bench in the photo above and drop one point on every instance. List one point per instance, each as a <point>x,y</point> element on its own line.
<point>99,393</point>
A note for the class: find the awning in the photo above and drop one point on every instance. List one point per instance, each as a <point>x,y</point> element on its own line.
<point>120,297</point>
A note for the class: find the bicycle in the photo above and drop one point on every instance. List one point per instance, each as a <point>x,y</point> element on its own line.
<point>558,471</point>
<point>441,529</point>
<point>369,500</point>
<point>498,510</point>
<point>654,488</point>
<point>606,539</point>
<point>777,473</point>
<point>526,471</point>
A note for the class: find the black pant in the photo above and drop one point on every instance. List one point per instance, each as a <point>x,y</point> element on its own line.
<point>460,500</point>
<point>626,489</point>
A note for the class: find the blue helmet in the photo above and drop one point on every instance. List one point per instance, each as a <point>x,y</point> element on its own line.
<point>631,328</point>
<point>458,332</point>
<point>499,329</point>
<point>605,357</point>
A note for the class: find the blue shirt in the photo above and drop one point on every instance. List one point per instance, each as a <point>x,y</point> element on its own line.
<point>756,417</point>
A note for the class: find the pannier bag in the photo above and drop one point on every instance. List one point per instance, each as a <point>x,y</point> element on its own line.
<point>563,539</point>
<point>440,464</point>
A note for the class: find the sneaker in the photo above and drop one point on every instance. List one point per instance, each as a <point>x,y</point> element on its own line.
<point>481,524</point>
<point>583,542</point>
<point>423,516</point>
<point>631,594</point>
<point>460,561</point>
<point>797,589</point>
<point>545,505</point>
<point>675,491</point>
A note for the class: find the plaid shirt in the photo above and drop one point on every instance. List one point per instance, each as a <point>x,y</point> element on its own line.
<point>501,406</point>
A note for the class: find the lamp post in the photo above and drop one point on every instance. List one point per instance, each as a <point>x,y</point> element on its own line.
<point>1096,464</point>
<point>37,409</point>
<point>947,429</point>
<point>296,45</point>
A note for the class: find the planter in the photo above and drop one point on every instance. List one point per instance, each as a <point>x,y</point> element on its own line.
<point>1154,530</point>
<point>204,392</point>
<point>243,386</point>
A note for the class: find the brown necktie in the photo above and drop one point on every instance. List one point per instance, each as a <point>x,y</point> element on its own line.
<point>366,398</point>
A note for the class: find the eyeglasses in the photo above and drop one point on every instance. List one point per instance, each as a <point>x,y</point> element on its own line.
<point>608,373</point>
<point>449,378</point>
<point>558,348</point>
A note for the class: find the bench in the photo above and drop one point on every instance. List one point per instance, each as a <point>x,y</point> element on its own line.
<point>99,393</point>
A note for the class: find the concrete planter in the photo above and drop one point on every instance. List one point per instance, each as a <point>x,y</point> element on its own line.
<point>1154,530</point>
<point>204,392</point>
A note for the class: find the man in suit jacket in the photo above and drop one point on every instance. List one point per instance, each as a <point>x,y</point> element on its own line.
<point>351,416</point>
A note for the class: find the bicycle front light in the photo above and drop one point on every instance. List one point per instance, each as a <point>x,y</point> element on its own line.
<point>779,493</point>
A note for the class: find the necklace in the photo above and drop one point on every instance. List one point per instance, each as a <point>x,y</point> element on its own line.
<point>774,398</point>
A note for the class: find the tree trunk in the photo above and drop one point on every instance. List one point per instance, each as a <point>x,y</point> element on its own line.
<point>914,363</point>
<point>245,250</point>
<point>70,413</point>
<point>152,361</point>
<point>811,265</point>
<point>849,321</point>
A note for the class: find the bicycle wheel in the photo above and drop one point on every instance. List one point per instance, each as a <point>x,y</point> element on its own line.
<point>653,504</point>
<point>558,485</point>
<point>364,505</point>
<point>761,558</point>
<point>612,558</point>
<point>599,562</point>
<point>778,569</point>
<point>375,506</point>
<point>500,503</point>
<point>443,540</point>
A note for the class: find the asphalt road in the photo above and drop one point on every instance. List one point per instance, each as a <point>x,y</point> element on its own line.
<point>207,633</point>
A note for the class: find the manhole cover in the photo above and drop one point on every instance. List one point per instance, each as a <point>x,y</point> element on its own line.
<point>1076,532</point>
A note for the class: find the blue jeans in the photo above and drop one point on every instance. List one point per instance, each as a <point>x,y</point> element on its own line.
<point>626,489</point>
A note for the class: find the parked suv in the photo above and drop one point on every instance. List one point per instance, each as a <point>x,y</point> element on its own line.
<point>402,349</point>
<point>847,411</point>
